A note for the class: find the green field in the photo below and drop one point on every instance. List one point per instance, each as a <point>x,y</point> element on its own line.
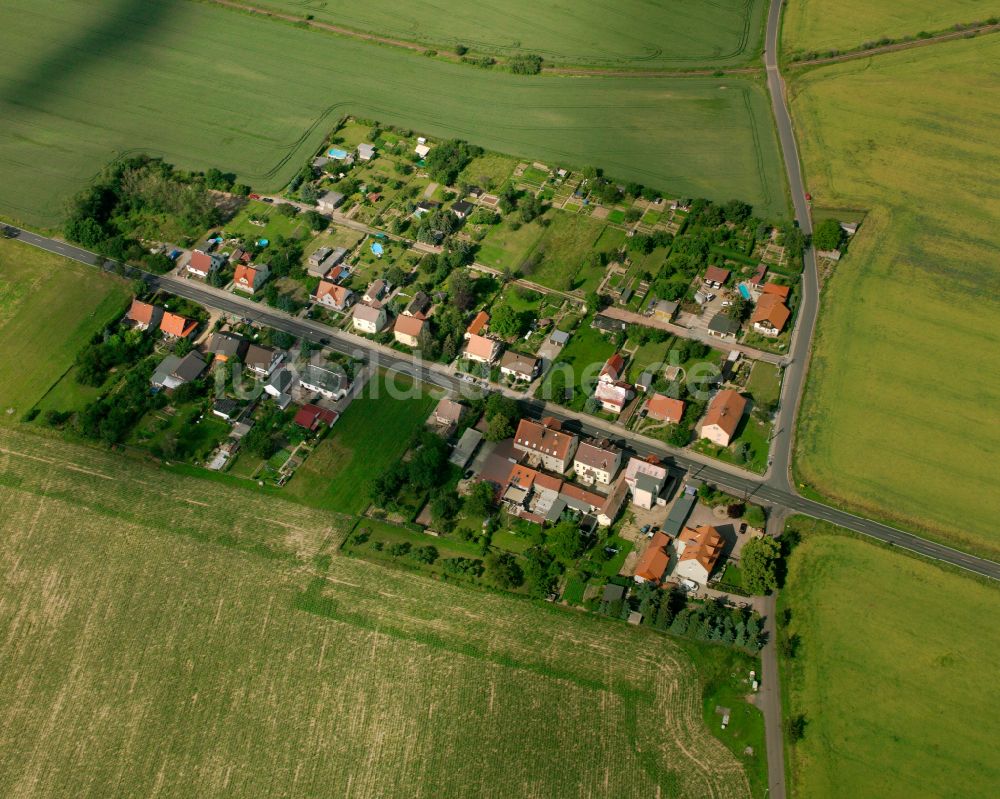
<point>822,25</point>
<point>640,34</point>
<point>894,671</point>
<point>43,325</point>
<point>80,84</point>
<point>372,434</point>
<point>899,416</point>
<point>567,241</point>
<point>168,636</point>
<point>580,361</point>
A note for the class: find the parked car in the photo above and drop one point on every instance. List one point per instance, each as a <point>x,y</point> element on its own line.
<point>253,196</point>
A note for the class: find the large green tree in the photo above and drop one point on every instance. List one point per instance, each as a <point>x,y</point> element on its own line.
<point>759,564</point>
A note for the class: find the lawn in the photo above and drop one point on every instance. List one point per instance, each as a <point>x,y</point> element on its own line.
<point>821,25</point>
<point>488,171</point>
<point>275,225</point>
<point>141,70</point>
<point>916,641</point>
<point>635,34</point>
<point>649,357</point>
<point>580,361</point>
<point>911,313</point>
<point>178,637</point>
<point>373,433</point>
<point>764,384</point>
<point>567,241</point>
<point>754,435</point>
<point>505,248</point>
<point>49,308</point>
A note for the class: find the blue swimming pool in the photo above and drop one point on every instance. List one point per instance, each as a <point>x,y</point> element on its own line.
<point>744,291</point>
<point>336,152</point>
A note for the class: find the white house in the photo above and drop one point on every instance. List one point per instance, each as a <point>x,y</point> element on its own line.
<point>369,319</point>
<point>596,462</point>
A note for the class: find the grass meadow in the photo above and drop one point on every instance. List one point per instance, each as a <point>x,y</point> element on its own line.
<point>49,308</point>
<point>894,671</point>
<point>203,86</point>
<point>899,417</point>
<point>373,433</point>
<point>820,25</point>
<point>637,34</point>
<point>171,636</point>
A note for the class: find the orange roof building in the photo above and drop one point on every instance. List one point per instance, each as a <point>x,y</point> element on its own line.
<point>664,409</point>
<point>143,314</point>
<point>407,330</point>
<point>723,417</point>
<point>177,326</point>
<point>545,445</point>
<point>700,549</point>
<point>655,561</point>
<point>478,324</point>
<point>332,295</point>
<point>770,315</point>
<point>777,290</point>
<point>480,348</point>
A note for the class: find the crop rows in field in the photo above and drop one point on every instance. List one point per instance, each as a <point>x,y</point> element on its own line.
<point>633,33</point>
<point>80,85</point>
<point>139,661</point>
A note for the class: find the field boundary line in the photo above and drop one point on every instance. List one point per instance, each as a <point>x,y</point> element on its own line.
<point>895,47</point>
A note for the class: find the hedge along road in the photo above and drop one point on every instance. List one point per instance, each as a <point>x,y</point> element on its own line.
<point>80,85</point>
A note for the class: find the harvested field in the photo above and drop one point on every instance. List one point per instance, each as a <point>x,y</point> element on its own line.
<point>169,636</point>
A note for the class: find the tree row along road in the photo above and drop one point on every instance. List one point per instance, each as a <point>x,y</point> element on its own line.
<point>744,484</point>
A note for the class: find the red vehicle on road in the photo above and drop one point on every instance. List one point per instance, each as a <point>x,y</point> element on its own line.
<point>254,196</point>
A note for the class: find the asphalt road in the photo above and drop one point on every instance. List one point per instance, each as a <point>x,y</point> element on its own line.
<point>739,482</point>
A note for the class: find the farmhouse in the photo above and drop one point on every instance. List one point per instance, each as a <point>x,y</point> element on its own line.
<point>202,264</point>
<point>478,325</point>
<point>175,371</point>
<point>698,550</point>
<point>662,408</point>
<point>262,360</point>
<point>369,318</point>
<point>655,561</point>
<point>227,346</point>
<point>330,383</point>
<point>143,316</point>
<point>519,367</point>
<point>646,479</point>
<point>723,417</point>
<point>174,325</point>
<point>333,296</point>
<point>770,315</point>
<point>545,444</point>
<point>481,349</point>
<point>366,152</point>
<point>596,462</point>
<point>716,277</point>
<point>250,278</point>
<point>462,209</point>
<point>407,330</point>
<point>329,201</point>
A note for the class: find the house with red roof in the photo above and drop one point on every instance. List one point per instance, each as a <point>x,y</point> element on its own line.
<point>143,316</point>
<point>331,295</point>
<point>312,416</point>
<point>174,325</point>
<point>662,408</point>
<point>250,278</point>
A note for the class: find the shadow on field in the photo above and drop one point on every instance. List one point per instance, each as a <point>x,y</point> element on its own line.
<point>123,24</point>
